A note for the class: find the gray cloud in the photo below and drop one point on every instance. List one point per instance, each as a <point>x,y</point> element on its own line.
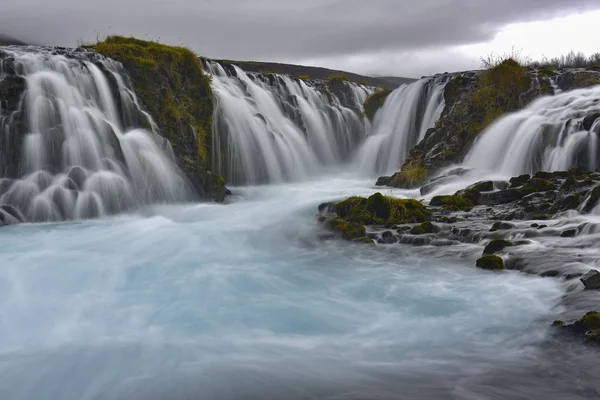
<point>357,33</point>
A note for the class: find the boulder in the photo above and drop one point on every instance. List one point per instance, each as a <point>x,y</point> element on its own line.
<point>499,226</point>
<point>492,263</point>
<point>495,246</point>
<point>383,181</point>
<point>500,197</point>
<point>589,120</point>
<point>591,280</point>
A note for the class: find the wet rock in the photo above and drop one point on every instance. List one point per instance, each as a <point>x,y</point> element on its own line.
<point>383,181</point>
<point>495,246</point>
<point>492,263</point>
<point>498,226</point>
<point>388,237</point>
<point>473,192</point>
<point>424,228</point>
<point>520,180</point>
<point>451,203</point>
<point>593,200</point>
<point>12,88</point>
<point>587,327</point>
<point>569,233</point>
<point>589,120</point>
<point>500,197</point>
<point>591,280</point>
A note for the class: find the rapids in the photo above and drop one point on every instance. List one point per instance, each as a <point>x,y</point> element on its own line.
<point>242,301</point>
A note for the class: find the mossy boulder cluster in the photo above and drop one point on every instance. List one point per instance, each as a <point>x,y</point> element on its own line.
<point>172,87</point>
<point>587,327</point>
<point>352,214</point>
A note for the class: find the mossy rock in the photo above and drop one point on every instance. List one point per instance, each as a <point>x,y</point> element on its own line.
<point>171,85</point>
<point>500,226</point>
<point>411,178</point>
<point>374,102</point>
<point>379,209</point>
<point>471,193</point>
<point>495,246</point>
<point>519,180</point>
<point>349,230</point>
<point>536,185</point>
<point>424,228</point>
<point>452,203</point>
<point>492,263</point>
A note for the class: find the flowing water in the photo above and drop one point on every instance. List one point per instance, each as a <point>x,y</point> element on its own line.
<point>242,301</point>
<point>82,151</point>
<point>207,301</point>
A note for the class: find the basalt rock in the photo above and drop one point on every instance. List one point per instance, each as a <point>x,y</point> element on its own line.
<point>591,280</point>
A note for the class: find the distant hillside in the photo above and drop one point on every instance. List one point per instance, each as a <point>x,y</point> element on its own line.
<point>6,40</point>
<point>317,73</point>
<point>396,80</point>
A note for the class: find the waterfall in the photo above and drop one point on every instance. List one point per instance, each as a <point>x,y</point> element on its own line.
<point>275,128</point>
<point>75,147</point>
<point>401,123</point>
<point>548,135</point>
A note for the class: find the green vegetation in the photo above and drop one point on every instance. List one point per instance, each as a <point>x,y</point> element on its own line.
<point>171,85</point>
<point>379,209</point>
<point>586,79</point>
<point>452,203</point>
<point>412,177</point>
<point>535,185</point>
<point>304,77</point>
<point>547,71</point>
<point>589,324</point>
<point>337,79</point>
<point>497,92</point>
<point>374,102</point>
<point>471,193</point>
<point>350,230</point>
<point>569,60</point>
<point>492,263</point>
<point>423,228</point>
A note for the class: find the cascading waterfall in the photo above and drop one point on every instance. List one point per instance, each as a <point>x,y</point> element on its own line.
<point>74,147</point>
<point>273,128</point>
<point>548,135</point>
<point>401,123</point>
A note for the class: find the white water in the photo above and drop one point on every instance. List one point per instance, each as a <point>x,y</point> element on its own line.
<point>545,136</point>
<point>401,123</point>
<point>81,155</point>
<point>272,128</point>
<point>241,301</point>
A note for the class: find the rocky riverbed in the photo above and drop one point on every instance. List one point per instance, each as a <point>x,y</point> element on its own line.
<point>545,224</point>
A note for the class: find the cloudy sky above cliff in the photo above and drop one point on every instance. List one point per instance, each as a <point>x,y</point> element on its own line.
<point>377,37</point>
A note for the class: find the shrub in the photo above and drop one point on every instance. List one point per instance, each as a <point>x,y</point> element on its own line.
<point>337,79</point>
<point>374,102</point>
<point>304,77</point>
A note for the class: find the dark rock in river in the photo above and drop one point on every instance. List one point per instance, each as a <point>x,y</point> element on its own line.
<point>589,120</point>
<point>591,280</point>
<point>495,246</point>
<point>492,263</point>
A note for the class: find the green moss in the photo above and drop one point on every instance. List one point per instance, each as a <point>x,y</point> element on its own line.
<point>452,203</point>
<point>558,323</point>
<point>424,228</point>
<point>471,193</point>
<point>374,102</point>
<point>586,79</point>
<point>498,91</point>
<point>337,80</point>
<point>171,85</point>
<point>350,230</point>
<point>304,77</point>
<point>535,185</point>
<point>547,71</point>
<point>492,263</point>
<point>379,209</point>
<point>589,321</point>
<point>411,178</point>
<point>364,240</point>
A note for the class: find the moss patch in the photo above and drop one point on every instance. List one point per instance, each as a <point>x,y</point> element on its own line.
<point>424,228</point>
<point>411,178</point>
<point>497,92</point>
<point>374,102</point>
<point>379,209</point>
<point>492,263</point>
<point>170,83</point>
<point>472,192</point>
<point>452,203</point>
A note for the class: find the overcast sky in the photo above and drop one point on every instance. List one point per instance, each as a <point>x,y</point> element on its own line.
<point>376,37</point>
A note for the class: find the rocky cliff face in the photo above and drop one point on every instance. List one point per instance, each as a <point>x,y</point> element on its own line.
<point>171,85</point>
<point>473,101</point>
